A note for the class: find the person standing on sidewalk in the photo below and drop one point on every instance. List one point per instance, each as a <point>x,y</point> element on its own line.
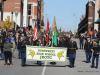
<point>81,38</point>
<point>95,54</point>
<point>88,49</point>
<point>2,49</point>
<point>7,52</point>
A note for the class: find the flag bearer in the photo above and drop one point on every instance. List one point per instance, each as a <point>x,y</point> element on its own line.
<point>95,54</point>
<point>40,44</point>
<point>88,49</point>
<point>72,47</point>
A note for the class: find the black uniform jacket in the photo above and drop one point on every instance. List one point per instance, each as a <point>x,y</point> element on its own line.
<point>67,41</point>
<point>88,46</point>
<point>23,46</point>
<point>58,43</point>
<point>81,38</point>
<point>72,47</point>
<point>95,50</point>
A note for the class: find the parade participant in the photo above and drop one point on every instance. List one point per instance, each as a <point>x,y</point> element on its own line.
<point>40,44</point>
<point>44,40</point>
<point>50,41</point>
<point>23,50</point>
<point>72,47</point>
<point>63,41</point>
<point>87,48</point>
<point>58,42</point>
<point>67,41</point>
<point>7,51</point>
<point>95,54</point>
<point>81,38</point>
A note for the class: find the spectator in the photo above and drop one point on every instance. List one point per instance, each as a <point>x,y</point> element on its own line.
<point>7,52</point>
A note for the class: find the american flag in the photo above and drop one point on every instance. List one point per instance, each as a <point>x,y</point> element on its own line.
<point>35,32</point>
<point>47,32</point>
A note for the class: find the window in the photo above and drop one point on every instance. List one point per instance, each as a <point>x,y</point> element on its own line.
<point>29,9</point>
<point>0,7</point>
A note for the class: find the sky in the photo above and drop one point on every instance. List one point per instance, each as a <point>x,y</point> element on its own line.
<point>63,10</point>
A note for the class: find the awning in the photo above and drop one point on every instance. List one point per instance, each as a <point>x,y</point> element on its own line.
<point>97,21</point>
<point>83,27</point>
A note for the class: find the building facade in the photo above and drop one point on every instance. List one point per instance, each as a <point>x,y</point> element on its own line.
<point>29,12</point>
<point>10,7</point>
<point>85,24</point>
<point>35,12</point>
<point>92,9</point>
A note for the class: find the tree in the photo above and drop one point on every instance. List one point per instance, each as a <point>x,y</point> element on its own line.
<point>7,23</point>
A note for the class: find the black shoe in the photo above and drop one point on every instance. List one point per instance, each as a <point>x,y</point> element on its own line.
<point>96,67</point>
<point>23,65</point>
<point>70,66</point>
<point>92,66</point>
<point>87,62</point>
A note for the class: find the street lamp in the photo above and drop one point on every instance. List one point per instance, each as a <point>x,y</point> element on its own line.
<point>27,19</point>
<point>75,17</point>
<point>33,25</point>
<point>46,17</point>
<point>16,14</point>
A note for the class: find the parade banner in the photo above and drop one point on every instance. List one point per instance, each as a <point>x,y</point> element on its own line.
<point>36,53</point>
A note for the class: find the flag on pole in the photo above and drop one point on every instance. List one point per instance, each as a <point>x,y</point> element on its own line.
<point>35,32</point>
<point>47,32</point>
<point>53,37</point>
<point>55,32</point>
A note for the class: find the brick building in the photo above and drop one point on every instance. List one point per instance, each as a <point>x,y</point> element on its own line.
<point>42,15</point>
<point>85,24</point>
<point>89,23</point>
<point>35,11</point>
<point>10,7</point>
<point>32,8</point>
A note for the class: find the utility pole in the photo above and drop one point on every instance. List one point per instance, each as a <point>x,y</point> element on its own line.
<point>2,3</point>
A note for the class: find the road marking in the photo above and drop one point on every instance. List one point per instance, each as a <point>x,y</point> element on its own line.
<point>44,68</point>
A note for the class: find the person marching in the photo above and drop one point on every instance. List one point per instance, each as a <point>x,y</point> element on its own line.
<point>72,47</point>
<point>81,38</point>
<point>95,54</point>
<point>58,42</point>
<point>40,44</point>
<point>23,50</point>
<point>88,49</point>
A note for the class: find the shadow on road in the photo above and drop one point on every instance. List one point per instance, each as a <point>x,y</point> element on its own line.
<point>27,65</point>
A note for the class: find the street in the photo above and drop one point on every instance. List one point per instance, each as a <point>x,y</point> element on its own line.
<point>31,68</point>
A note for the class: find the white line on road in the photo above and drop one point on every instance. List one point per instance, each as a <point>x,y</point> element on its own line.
<point>44,68</point>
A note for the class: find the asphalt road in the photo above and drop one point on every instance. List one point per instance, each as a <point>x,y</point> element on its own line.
<point>81,68</point>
